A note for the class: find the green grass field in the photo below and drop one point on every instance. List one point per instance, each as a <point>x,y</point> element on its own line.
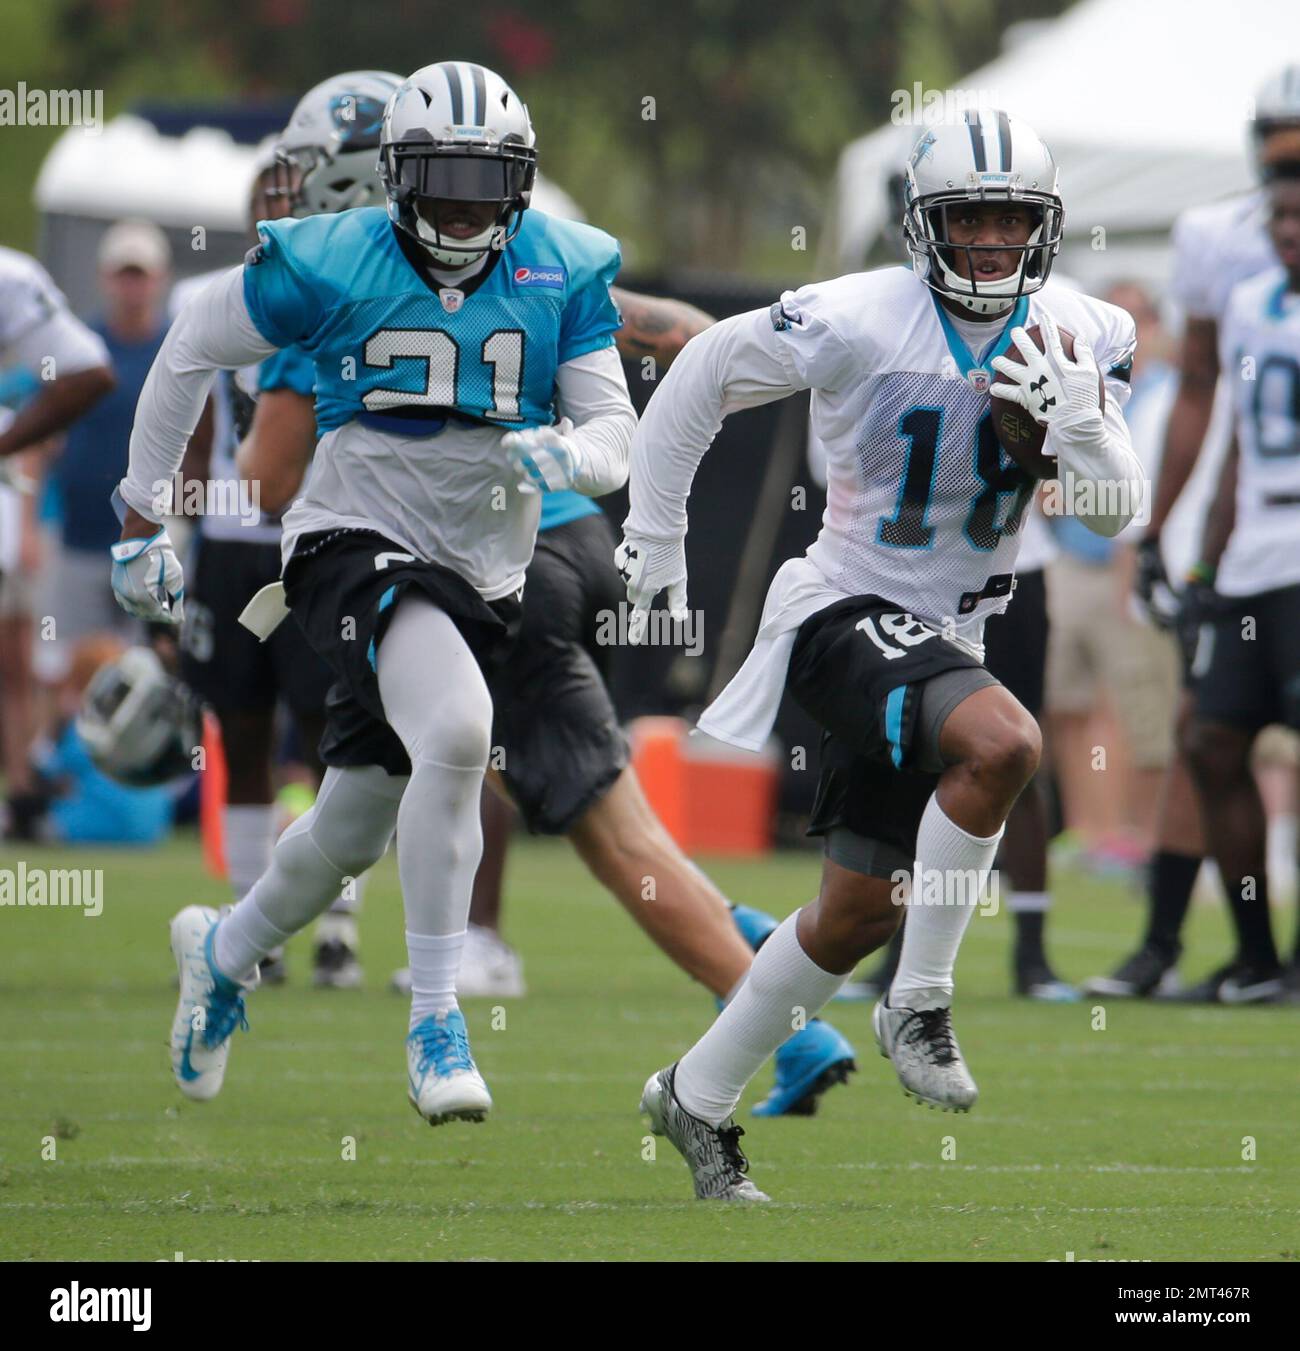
<point>1125,1142</point>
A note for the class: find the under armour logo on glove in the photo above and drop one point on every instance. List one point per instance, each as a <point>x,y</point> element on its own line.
<point>1037,387</point>
<point>628,557</point>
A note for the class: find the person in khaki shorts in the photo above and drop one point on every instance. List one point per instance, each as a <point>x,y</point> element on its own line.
<point>1103,660</point>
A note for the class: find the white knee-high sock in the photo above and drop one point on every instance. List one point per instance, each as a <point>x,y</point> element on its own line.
<point>952,867</point>
<point>446,730</point>
<point>249,830</point>
<point>347,829</point>
<point>783,990</point>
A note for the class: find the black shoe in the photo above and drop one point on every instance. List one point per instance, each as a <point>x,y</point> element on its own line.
<point>1290,985</point>
<point>336,966</point>
<point>1150,971</point>
<point>1239,982</point>
<point>27,822</point>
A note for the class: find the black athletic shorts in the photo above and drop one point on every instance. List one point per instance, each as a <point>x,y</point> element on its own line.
<point>1246,670</point>
<point>220,659</point>
<point>858,668</point>
<point>1015,642</point>
<point>341,587</point>
<point>554,721</point>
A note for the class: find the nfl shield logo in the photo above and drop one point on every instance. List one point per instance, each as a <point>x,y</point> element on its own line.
<point>979,381</point>
<point>451,298</point>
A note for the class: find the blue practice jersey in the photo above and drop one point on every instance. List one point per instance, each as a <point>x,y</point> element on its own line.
<point>341,288</point>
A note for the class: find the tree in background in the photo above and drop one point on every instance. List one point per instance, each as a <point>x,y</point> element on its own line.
<point>704,133</point>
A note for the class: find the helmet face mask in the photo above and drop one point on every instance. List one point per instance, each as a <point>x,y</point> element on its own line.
<point>949,168</point>
<point>457,133</point>
<point>927,230</point>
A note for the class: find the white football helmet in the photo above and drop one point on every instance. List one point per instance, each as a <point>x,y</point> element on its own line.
<point>140,725</point>
<point>330,147</point>
<point>1277,106</point>
<point>455,131</point>
<point>986,156</point>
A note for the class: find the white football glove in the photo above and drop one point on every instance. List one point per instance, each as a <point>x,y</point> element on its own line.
<point>147,579</point>
<point>545,458</point>
<point>1049,386</point>
<point>647,566</point>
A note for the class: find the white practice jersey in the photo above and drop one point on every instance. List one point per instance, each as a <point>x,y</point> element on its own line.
<point>229,512</point>
<point>923,507</point>
<point>1259,350</point>
<point>1216,247</point>
<point>36,325</point>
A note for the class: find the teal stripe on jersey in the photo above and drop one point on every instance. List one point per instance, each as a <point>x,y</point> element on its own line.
<point>562,507</point>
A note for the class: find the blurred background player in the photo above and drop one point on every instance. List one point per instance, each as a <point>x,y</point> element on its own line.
<point>1215,248</point>
<point>134,275</point>
<point>325,160</point>
<point>1243,596</point>
<point>924,751</point>
<point>65,370</point>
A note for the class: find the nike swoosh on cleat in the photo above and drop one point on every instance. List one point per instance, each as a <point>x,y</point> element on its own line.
<point>188,1072</point>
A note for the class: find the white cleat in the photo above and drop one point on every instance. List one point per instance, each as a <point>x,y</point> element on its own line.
<point>926,1056</point>
<point>443,1082</point>
<point>209,1009</point>
<point>489,967</point>
<point>712,1153</point>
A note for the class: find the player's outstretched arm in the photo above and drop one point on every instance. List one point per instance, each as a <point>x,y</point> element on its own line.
<point>655,327</point>
<point>59,343</point>
<point>742,362</point>
<point>213,332</point>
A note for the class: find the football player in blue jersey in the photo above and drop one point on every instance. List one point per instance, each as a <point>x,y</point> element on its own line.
<point>464,356</point>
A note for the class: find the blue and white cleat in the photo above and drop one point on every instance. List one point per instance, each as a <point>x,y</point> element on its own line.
<point>756,926</point>
<point>444,1083</point>
<point>813,1060</point>
<point>210,1007</point>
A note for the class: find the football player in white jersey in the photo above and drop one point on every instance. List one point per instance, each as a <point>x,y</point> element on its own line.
<point>40,333</point>
<point>1247,654</point>
<point>1216,247</point>
<point>877,630</point>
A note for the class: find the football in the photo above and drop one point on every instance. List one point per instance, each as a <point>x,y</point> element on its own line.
<point>1018,433</point>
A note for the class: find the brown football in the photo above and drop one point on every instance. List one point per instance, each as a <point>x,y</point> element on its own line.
<point>1018,434</point>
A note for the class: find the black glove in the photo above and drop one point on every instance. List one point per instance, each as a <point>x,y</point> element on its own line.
<point>1199,605</point>
<point>1153,588</point>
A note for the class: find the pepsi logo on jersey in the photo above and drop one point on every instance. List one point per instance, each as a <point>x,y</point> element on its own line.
<point>541,276</point>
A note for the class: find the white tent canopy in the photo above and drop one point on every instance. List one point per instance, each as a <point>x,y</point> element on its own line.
<point>1145,104</point>
<point>201,178</point>
<point>89,180</point>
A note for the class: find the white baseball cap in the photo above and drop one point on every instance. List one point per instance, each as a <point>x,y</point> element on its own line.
<point>134,243</point>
